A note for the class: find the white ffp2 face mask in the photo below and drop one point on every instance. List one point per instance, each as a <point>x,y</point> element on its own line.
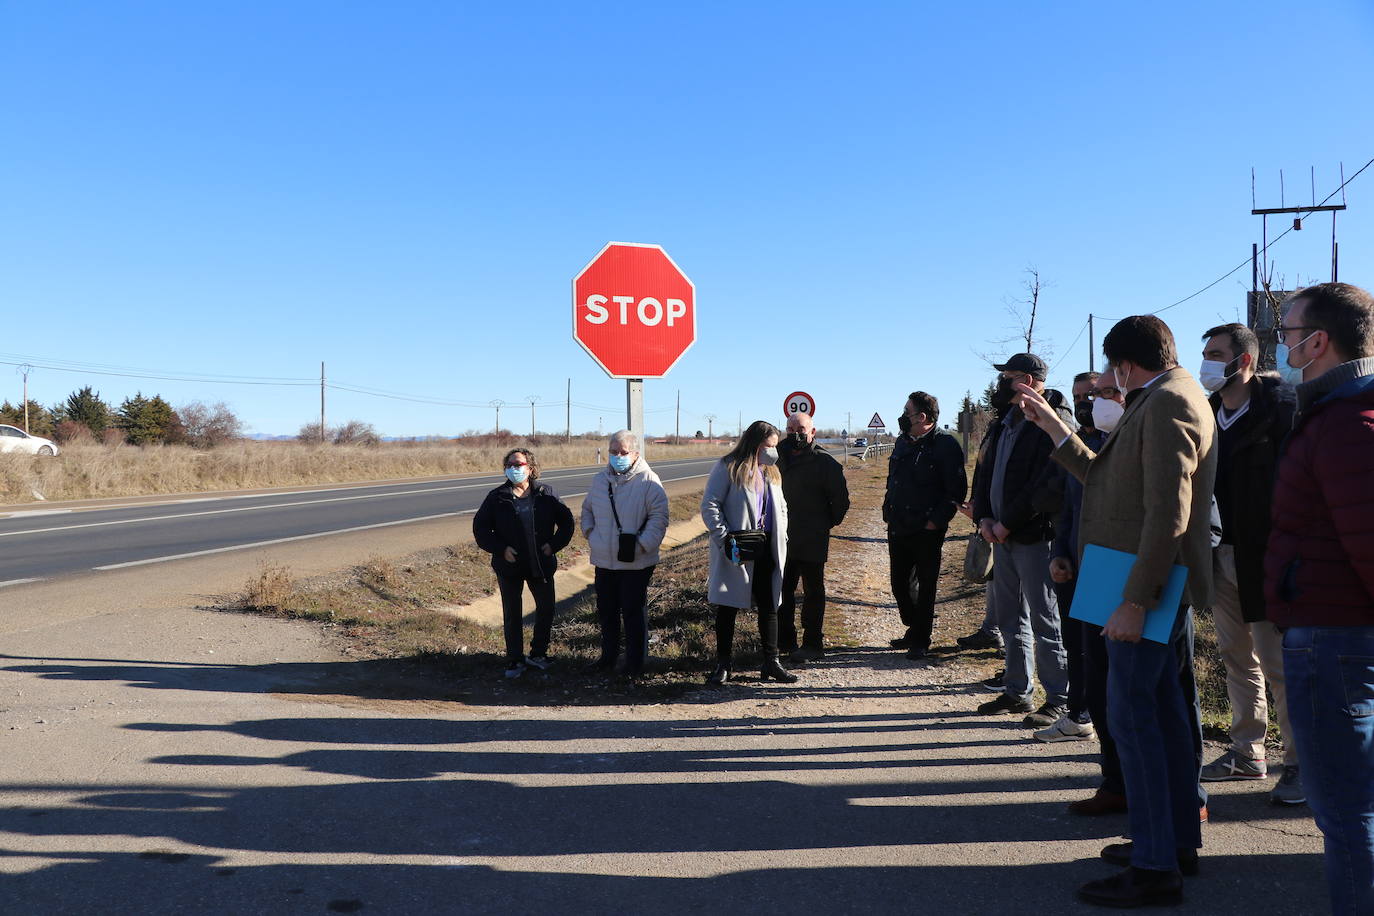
<point>1106,414</point>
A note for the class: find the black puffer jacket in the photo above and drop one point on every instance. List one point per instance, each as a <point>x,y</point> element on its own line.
<point>1032,492</point>
<point>1247,463</point>
<point>926,482</point>
<point>496,526</point>
<point>817,499</point>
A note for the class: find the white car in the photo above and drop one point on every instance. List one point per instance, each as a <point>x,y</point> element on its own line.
<point>14,439</point>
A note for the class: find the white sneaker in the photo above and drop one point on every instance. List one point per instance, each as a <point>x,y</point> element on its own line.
<point>538,661</point>
<point>1066,729</point>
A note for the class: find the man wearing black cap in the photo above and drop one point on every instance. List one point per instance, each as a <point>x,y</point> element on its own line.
<point>1014,505</point>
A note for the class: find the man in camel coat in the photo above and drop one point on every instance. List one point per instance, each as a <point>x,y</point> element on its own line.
<point>1148,492</point>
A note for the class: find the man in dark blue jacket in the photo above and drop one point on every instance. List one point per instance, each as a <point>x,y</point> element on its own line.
<point>926,483</point>
<point>817,500</point>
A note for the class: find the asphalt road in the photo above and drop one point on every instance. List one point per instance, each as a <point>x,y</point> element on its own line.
<point>50,543</point>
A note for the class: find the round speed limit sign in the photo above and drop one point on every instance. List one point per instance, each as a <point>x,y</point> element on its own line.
<point>799,402</point>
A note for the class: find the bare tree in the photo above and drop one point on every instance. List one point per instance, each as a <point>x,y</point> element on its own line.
<point>1025,313</point>
<point>356,432</point>
<point>207,427</point>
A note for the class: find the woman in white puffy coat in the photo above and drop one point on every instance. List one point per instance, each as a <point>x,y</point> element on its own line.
<point>624,518</point>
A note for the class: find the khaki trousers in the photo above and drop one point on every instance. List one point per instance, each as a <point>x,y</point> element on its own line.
<point>1253,656</point>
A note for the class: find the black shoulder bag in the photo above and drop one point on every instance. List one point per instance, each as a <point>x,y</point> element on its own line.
<point>626,548</point>
<point>746,545</point>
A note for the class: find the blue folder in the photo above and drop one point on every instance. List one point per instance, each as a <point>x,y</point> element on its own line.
<point>1102,580</point>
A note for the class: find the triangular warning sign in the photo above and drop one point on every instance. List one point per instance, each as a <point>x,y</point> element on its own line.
<point>877,423</point>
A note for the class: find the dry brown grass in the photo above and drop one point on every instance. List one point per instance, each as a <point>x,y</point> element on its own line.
<point>89,471</point>
<point>385,606</point>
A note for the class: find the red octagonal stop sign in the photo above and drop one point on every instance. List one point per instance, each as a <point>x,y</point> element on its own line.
<point>634,311</point>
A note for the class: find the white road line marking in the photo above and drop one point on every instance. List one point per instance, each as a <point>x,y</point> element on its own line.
<point>18,582</point>
<point>306,537</point>
<point>303,502</point>
<point>553,474</point>
<point>163,518</point>
<point>299,537</point>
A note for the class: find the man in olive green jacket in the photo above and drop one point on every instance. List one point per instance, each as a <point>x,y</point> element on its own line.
<point>1148,492</point>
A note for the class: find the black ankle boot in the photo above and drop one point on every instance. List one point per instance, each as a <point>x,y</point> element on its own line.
<point>718,677</point>
<point>772,668</point>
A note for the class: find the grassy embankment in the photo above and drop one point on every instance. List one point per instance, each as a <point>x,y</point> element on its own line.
<point>89,471</point>
<point>390,608</point>
<point>386,609</point>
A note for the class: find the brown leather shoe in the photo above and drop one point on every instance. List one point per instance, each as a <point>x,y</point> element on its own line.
<point>1101,802</point>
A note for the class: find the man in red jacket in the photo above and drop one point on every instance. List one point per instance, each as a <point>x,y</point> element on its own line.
<point>1319,574</point>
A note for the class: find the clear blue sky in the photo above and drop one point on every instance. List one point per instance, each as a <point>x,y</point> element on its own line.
<point>404,190</point>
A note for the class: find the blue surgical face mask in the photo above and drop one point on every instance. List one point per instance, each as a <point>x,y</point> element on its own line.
<point>517,474</point>
<point>1291,374</point>
<point>622,463</point>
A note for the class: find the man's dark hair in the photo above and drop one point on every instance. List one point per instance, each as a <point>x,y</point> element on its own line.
<point>1086,377</point>
<point>926,404</point>
<point>1243,340</point>
<point>1344,312</point>
<point>1142,339</point>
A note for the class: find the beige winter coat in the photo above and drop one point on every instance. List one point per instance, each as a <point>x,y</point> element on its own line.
<point>643,507</point>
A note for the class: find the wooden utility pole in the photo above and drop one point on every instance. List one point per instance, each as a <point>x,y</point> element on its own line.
<point>321,401</point>
<point>497,403</point>
<point>569,404</point>
<point>710,427</point>
<point>1092,351</point>
<point>531,398</point>
<point>677,424</point>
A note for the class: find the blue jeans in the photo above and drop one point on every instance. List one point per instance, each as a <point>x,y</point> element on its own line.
<point>1028,616</point>
<point>1155,739</point>
<point>1330,674</point>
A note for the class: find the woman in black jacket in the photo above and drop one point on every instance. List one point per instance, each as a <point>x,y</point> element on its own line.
<point>523,525</point>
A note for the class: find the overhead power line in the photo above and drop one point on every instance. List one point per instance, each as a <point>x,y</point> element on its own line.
<point>214,380</point>
<point>1267,246</point>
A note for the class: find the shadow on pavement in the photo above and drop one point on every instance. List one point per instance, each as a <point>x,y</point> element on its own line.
<point>437,811</point>
<point>471,681</point>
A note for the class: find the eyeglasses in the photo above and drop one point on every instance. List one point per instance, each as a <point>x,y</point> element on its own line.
<point>517,464</point>
<point>1106,391</point>
<point>1280,330</point>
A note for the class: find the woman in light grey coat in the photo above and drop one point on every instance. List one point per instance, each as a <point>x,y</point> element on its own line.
<point>744,492</point>
<point>624,518</point>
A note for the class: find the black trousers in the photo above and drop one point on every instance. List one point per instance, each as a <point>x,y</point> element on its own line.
<point>1071,632</point>
<point>620,596</point>
<point>811,575</point>
<point>914,561</point>
<point>762,588</point>
<point>512,616</point>
<point>1095,697</point>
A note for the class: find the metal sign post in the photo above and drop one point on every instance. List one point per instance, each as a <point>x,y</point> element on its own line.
<point>634,411</point>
